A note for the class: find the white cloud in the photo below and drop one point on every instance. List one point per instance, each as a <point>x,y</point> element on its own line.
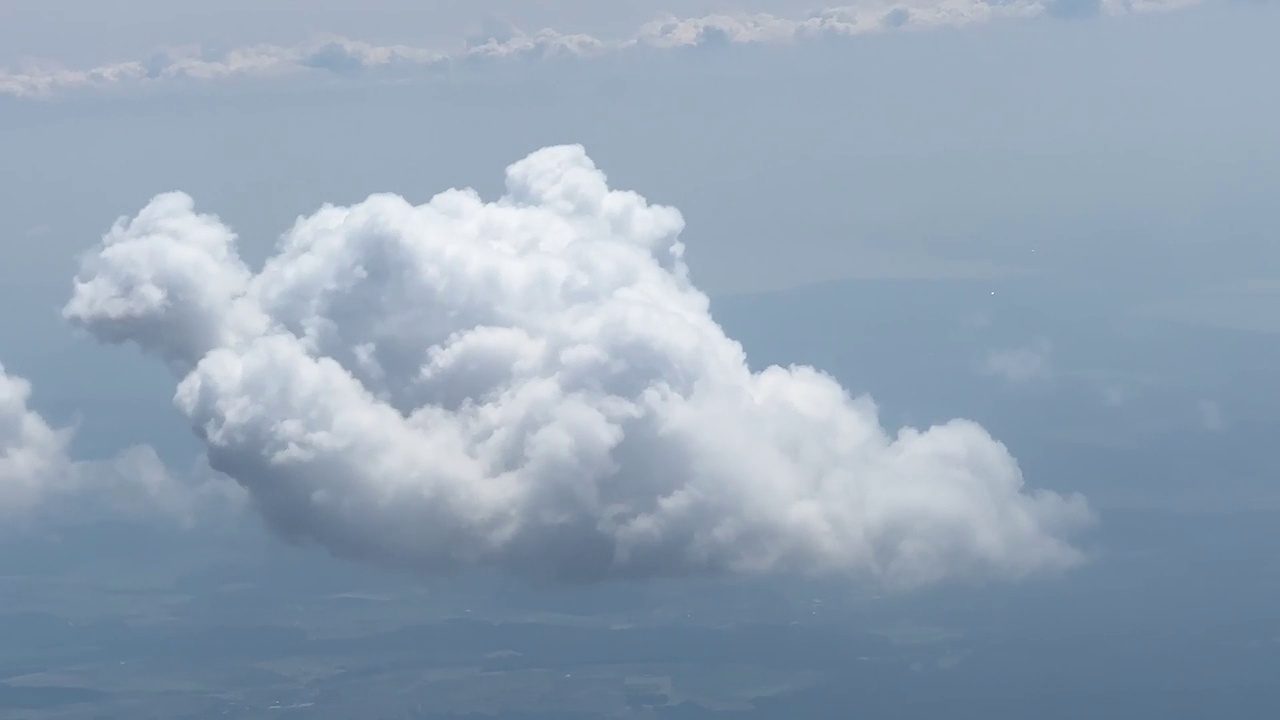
<point>1211,418</point>
<point>1020,365</point>
<point>340,55</point>
<point>1116,396</point>
<point>533,384</point>
<point>33,456</point>
<point>38,477</point>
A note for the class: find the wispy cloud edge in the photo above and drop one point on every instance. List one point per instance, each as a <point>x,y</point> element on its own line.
<point>341,55</point>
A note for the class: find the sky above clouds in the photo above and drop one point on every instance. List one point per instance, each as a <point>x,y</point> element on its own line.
<point>319,339</point>
<point>1148,127</point>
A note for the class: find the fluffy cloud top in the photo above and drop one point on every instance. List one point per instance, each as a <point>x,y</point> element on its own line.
<point>345,56</point>
<point>533,384</point>
<point>38,478</point>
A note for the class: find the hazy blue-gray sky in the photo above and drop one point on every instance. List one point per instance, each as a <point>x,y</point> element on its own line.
<point>1053,218</point>
<point>1135,157</point>
<point>1116,146</point>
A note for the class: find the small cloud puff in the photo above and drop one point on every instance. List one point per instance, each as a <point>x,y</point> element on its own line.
<point>38,478</point>
<point>1020,365</point>
<point>343,57</point>
<point>1210,416</point>
<point>533,384</point>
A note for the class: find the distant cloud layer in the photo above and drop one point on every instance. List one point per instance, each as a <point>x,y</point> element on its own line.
<point>533,384</point>
<point>344,56</point>
<point>39,478</point>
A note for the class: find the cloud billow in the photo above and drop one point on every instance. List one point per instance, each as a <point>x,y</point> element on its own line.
<point>534,385</point>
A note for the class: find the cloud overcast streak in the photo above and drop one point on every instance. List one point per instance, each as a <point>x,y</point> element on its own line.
<point>343,56</point>
<point>533,384</point>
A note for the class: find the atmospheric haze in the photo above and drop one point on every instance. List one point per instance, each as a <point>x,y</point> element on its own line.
<point>534,385</point>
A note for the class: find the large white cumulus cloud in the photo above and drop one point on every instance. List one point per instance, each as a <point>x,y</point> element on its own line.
<point>533,384</point>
